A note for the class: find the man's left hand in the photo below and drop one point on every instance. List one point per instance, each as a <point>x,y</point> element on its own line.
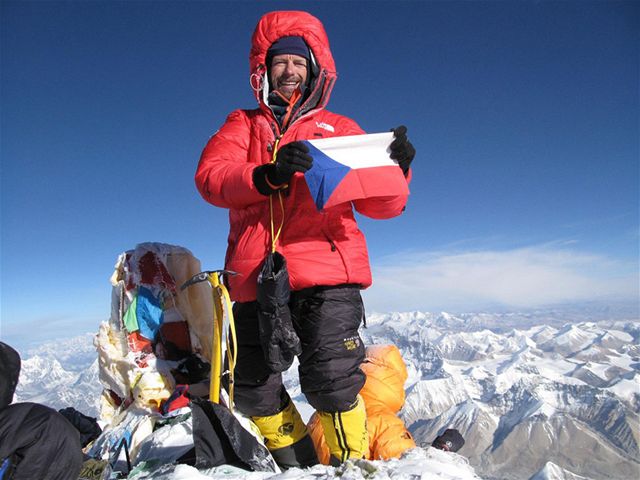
<point>401,148</point>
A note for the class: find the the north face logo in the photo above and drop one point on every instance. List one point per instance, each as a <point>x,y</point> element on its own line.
<point>326,126</point>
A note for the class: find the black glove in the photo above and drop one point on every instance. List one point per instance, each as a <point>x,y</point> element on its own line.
<point>293,157</point>
<point>401,148</point>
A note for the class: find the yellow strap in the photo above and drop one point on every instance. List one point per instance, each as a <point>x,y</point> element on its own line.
<point>275,235</point>
<point>232,343</point>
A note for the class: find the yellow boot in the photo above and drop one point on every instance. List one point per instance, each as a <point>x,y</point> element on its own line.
<point>346,432</point>
<point>287,438</point>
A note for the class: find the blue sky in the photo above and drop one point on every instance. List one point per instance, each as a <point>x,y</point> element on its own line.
<point>524,116</point>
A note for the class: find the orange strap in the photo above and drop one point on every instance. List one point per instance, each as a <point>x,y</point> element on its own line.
<point>275,234</point>
<point>275,187</point>
<point>291,101</point>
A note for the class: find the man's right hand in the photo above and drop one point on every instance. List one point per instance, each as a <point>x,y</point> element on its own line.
<point>292,157</point>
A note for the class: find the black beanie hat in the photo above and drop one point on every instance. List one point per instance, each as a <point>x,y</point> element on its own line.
<point>451,440</point>
<point>293,45</point>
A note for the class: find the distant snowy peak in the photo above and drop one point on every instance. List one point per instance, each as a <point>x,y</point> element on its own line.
<point>535,324</point>
<point>615,339</point>
<point>39,370</point>
<point>431,398</point>
<point>541,334</point>
<point>551,471</point>
<point>548,387</point>
<point>571,339</point>
<point>43,379</point>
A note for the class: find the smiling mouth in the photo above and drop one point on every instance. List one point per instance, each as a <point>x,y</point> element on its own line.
<point>288,87</point>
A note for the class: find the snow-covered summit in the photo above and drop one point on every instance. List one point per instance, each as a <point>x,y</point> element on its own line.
<point>62,374</point>
<point>551,471</point>
<point>414,464</point>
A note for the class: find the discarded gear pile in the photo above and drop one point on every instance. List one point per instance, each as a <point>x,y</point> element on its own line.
<point>154,364</point>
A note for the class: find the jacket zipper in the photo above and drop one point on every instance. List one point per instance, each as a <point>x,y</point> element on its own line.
<point>321,104</point>
<point>334,248</point>
<point>333,245</point>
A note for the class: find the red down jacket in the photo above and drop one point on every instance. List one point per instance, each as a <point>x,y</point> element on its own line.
<point>321,248</point>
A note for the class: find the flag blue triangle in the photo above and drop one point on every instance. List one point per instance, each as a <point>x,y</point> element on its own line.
<point>324,176</point>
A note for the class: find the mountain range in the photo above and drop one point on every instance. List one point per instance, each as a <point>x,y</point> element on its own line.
<point>534,395</point>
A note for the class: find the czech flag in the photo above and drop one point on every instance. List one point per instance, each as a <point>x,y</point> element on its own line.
<point>353,167</point>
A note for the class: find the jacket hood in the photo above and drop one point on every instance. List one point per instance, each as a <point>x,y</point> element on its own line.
<point>275,25</point>
<point>9,373</point>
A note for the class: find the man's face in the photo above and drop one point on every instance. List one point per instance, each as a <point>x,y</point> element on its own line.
<point>288,72</point>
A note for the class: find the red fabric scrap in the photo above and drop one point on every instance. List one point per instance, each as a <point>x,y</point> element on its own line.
<point>153,272</point>
<point>138,343</point>
<point>179,398</point>
<point>175,338</point>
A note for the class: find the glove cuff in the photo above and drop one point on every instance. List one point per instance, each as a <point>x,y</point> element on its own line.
<point>260,179</point>
<point>404,166</point>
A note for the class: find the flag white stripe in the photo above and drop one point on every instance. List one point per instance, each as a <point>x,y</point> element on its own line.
<point>358,151</point>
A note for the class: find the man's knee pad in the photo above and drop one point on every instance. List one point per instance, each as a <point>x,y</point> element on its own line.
<point>287,438</point>
<point>346,432</point>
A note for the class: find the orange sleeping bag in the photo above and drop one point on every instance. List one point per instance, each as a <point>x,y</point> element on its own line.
<point>383,395</point>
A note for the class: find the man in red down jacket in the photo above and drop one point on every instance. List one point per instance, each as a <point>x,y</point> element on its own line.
<point>254,167</point>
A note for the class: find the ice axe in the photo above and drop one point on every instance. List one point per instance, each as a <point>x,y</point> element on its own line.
<point>218,436</point>
<point>221,301</point>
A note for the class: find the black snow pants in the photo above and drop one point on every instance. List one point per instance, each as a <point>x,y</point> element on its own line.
<point>327,320</point>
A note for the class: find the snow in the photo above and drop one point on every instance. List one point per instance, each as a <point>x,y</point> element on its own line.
<point>556,369</point>
<point>304,408</point>
<point>551,471</point>
<point>574,338</point>
<point>418,463</point>
<point>623,360</point>
<point>627,389</point>
<point>623,337</point>
<point>434,396</point>
<point>598,369</point>
<point>550,402</point>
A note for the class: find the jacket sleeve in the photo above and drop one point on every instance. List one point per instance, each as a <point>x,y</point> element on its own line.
<point>225,172</point>
<point>382,207</point>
